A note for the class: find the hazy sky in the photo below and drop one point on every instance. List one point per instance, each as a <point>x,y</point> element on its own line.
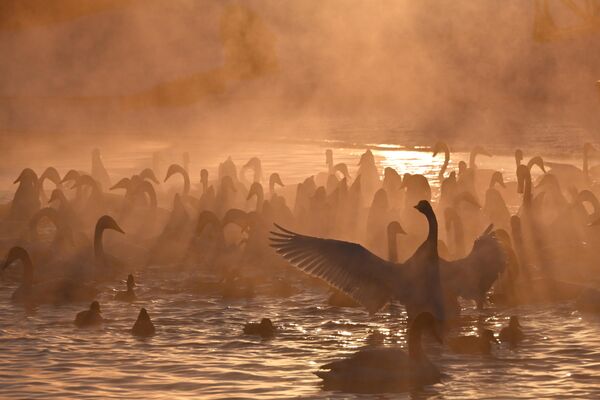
<point>155,65</point>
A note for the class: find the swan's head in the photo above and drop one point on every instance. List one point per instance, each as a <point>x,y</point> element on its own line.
<point>148,174</point>
<point>424,207</point>
<point>86,180</point>
<point>122,184</point>
<point>497,178</point>
<point>253,163</point>
<point>204,175</point>
<point>95,307</point>
<point>175,169</point>
<point>462,167</point>
<point>130,282</point>
<point>27,176</point>
<point>519,156</point>
<point>537,160</point>
<point>394,228</point>
<point>256,189</point>
<point>52,174</point>
<point>14,254</point>
<point>439,147</point>
<point>367,158</point>
<point>342,168</point>
<point>108,222</point>
<point>71,175</point>
<point>275,179</point>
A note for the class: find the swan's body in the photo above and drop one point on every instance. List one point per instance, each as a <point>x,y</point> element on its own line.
<point>264,328</point>
<point>385,369</point>
<point>480,344</point>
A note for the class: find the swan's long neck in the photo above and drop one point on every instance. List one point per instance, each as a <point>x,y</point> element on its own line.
<point>415,349</point>
<point>392,249</point>
<point>99,254</point>
<point>446,162</point>
<point>186,183</point>
<point>527,194</point>
<point>432,237</point>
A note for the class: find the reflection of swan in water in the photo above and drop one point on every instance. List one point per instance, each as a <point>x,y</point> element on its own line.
<point>386,369</point>
<point>373,282</point>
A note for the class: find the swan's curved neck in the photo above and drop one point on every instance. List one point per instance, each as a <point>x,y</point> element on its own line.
<point>392,249</point>
<point>432,237</point>
<point>186,183</point>
<point>260,199</point>
<point>446,162</point>
<point>415,348</point>
<point>98,246</point>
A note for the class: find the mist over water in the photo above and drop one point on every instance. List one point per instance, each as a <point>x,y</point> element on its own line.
<point>193,82</point>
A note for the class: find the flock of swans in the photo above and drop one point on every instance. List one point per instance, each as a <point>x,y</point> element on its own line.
<point>372,240</point>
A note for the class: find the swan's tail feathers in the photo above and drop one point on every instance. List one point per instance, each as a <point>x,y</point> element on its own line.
<point>348,267</point>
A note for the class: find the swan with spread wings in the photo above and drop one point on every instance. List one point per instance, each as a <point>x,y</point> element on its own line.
<point>424,283</point>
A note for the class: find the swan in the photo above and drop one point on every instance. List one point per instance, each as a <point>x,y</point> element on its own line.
<point>480,344</point>
<point>89,318</point>
<point>52,291</point>
<point>442,147</point>
<point>368,279</point>
<point>143,326</point>
<point>512,334</point>
<point>51,174</point>
<point>264,328</point>
<point>386,369</point>
<point>26,200</point>
<point>256,166</point>
<point>373,282</point>
<point>127,295</point>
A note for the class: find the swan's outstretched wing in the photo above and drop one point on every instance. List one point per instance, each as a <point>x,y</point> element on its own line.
<point>471,277</point>
<point>349,267</point>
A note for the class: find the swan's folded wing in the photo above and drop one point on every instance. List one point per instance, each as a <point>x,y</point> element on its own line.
<point>348,267</point>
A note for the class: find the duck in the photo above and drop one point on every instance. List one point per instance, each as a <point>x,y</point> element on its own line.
<point>264,328</point>
<point>89,318</point>
<point>143,326</point>
<point>127,295</point>
<point>386,369</point>
<point>51,291</point>
<point>480,344</point>
<point>512,333</point>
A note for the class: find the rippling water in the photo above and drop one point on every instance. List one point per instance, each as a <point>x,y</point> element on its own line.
<point>199,351</point>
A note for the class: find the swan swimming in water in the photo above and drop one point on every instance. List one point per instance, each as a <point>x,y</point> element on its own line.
<point>127,295</point>
<point>373,282</point>
<point>512,334</point>
<point>480,344</point>
<point>386,369</point>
